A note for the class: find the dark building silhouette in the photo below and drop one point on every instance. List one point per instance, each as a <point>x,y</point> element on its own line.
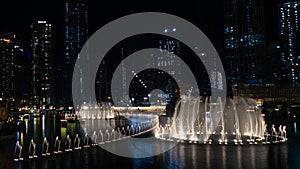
<point>14,73</point>
<point>42,64</point>
<point>244,35</point>
<point>76,34</point>
<point>7,62</point>
<point>289,38</point>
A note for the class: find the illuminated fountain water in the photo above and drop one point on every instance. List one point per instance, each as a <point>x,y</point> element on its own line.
<point>86,141</point>
<point>18,152</point>
<point>94,139</point>
<point>102,122</point>
<point>68,143</point>
<point>57,145</point>
<point>77,142</point>
<point>200,121</point>
<point>45,147</point>
<point>96,111</point>
<point>101,137</point>
<point>32,149</point>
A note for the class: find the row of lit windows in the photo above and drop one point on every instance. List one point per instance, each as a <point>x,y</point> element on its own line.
<point>289,25</point>
<point>228,30</point>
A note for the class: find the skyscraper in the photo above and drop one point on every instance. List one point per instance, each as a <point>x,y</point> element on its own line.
<point>244,41</point>
<point>289,35</point>
<point>12,68</point>
<point>76,34</point>
<point>42,63</point>
<point>169,61</point>
<point>14,71</point>
<point>7,63</point>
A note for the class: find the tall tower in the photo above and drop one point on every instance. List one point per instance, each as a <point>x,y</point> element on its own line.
<point>289,35</point>
<point>169,60</point>
<point>7,62</point>
<point>42,63</point>
<point>244,41</point>
<point>12,68</point>
<point>14,74</point>
<point>76,34</point>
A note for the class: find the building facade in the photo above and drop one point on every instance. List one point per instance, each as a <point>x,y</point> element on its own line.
<point>289,38</point>
<point>76,34</point>
<point>42,64</point>
<point>244,34</point>
<point>14,72</point>
<point>7,73</point>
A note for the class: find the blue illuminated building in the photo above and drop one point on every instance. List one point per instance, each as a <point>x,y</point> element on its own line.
<point>289,41</point>
<point>244,34</point>
<point>76,34</point>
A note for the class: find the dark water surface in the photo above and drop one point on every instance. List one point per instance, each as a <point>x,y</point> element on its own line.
<point>275,156</point>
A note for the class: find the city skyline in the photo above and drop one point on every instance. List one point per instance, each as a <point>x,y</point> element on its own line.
<point>150,84</point>
<point>251,42</point>
<point>42,63</point>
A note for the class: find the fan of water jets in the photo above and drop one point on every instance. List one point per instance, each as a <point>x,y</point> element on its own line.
<point>96,111</point>
<point>199,119</point>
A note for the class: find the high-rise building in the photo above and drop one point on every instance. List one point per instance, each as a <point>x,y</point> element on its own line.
<point>289,36</point>
<point>170,61</point>
<point>42,63</point>
<point>13,74</point>
<point>244,41</point>
<point>76,34</point>
<point>10,54</point>
<point>7,62</point>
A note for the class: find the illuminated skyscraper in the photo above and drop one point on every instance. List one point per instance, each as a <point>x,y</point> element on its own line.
<point>13,72</point>
<point>169,60</point>
<point>173,48</point>
<point>7,62</point>
<point>244,41</point>
<point>42,63</point>
<point>289,35</point>
<point>76,34</point>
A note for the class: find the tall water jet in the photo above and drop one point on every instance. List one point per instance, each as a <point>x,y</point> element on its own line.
<point>57,145</point>
<point>101,136</point>
<point>200,120</point>
<point>284,132</point>
<point>45,147</point>
<point>18,152</point>
<point>86,140</point>
<point>274,134</point>
<point>94,139</point>
<point>32,149</point>
<point>77,142</point>
<point>107,135</point>
<point>68,143</point>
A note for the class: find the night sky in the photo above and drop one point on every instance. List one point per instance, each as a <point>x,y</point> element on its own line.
<point>16,16</point>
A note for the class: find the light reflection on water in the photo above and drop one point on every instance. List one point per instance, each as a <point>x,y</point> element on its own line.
<point>182,156</point>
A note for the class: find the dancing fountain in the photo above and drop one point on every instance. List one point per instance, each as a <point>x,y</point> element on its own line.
<point>57,146</point>
<point>201,121</point>
<point>100,121</point>
<point>45,147</point>
<point>77,142</point>
<point>195,120</point>
<point>18,152</point>
<point>86,141</point>
<point>95,111</point>
<point>68,143</point>
<point>32,149</point>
